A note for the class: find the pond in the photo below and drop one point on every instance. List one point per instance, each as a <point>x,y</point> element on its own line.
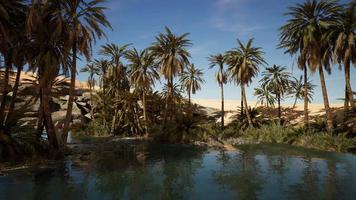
<point>156,171</point>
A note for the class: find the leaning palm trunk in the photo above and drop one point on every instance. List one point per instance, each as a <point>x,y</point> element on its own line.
<point>349,96</point>
<point>295,103</point>
<point>329,120</point>
<point>5,83</point>
<point>73,72</point>
<point>245,105</point>
<point>306,102</point>
<point>14,96</point>
<point>222,106</point>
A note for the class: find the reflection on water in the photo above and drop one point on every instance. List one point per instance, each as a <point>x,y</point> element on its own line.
<point>151,171</point>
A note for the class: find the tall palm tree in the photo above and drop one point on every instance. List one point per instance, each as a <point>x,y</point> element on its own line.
<point>118,72</point>
<point>143,75</point>
<point>297,89</point>
<point>305,32</point>
<point>218,60</point>
<point>171,54</point>
<point>12,18</point>
<point>276,79</point>
<point>191,80</point>
<point>265,96</point>
<point>243,62</point>
<point>92,70</point>
<point>48,56</point>
<point>83,20</point>
<point>345,46</point>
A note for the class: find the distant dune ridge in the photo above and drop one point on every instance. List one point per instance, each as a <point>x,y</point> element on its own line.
<point>232,105</point>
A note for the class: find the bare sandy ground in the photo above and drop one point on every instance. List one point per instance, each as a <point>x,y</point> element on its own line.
<point>232,105</point>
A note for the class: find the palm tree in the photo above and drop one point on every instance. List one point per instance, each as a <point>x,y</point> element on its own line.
<point>243,63</point>
<point>116,52</point>
<point>83,20</point>
<point>220,76</point>
<point>171,54</point>
<point>12,18</point>
<point>92,70</point>
<point>48,56</point>
<point>191,80</point>
<point>305,33</point>
<point>345,47</point>
<point>143,75</point>
<point>276,79</point>
<point>297,89</point>
<point>265,96</point>
<point>103,66</point>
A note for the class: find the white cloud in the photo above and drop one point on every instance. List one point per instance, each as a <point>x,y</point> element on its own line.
<point>229,16</point>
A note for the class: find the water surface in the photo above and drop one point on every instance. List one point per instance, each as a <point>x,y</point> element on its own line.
<point>152,171</point>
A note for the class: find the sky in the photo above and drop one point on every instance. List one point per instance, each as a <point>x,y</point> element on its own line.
<point>214,26</point>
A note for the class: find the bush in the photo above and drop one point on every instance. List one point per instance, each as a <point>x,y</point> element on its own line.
<point>271,134</point>
<point>327,142</point>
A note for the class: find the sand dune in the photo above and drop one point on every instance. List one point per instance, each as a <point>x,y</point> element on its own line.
<point>231,105</point>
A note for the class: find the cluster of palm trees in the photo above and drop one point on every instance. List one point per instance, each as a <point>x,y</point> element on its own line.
<point>127,72</point>
<point>320,34</point>
<point>46,37</point>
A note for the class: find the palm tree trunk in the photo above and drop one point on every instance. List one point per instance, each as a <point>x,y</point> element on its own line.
<point>145,113</point>
<point>189,103</point>
<point>246,106</point>
<point>14,96</point>
<point>40,120</point>
<point>91,99</point>
<point>329,120</point>
<point>295,103</point>
<point>113,123</point>
<point>348,85</point>
<point>242,105</point>
<point>306,112</point>
<point>222,106</point>
<point>73,73</point>
<point>166,106</point>
<point>346,101</point>
<point>8,65</point>
<point>47,113</point>
<point>279,109</point>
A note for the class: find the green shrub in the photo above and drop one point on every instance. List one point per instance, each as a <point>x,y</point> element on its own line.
<point>271,134</point>
<point>327,142</point>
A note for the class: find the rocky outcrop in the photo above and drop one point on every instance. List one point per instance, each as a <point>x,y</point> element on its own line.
<point>80,112</point>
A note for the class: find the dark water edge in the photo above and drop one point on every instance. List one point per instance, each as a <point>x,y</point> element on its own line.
<point>157,171</point>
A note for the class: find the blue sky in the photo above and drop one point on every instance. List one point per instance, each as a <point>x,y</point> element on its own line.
<point>214,26</point>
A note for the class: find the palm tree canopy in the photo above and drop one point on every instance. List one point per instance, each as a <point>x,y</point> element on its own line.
<point>304,32</point>
<point>276,79</point>
<point>191,79</point>
<point>218,60</point>
<point>84,20</point>
<point>345,34</point>
<point>264,96</point>
<point>297,89</point>
<point>243,62</point>
<point>170,53</point>
<point>143,69</point>
<point>114,51</point>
